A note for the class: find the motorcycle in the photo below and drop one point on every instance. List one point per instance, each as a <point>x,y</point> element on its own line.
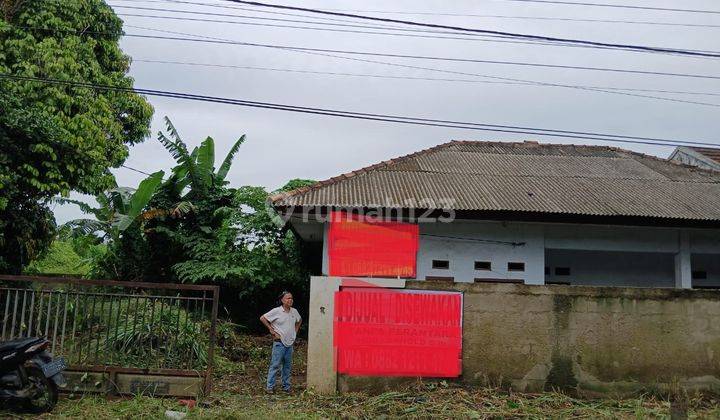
<point>29,375</point>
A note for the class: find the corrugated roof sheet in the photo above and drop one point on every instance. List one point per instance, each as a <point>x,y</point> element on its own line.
<point>527,177</point>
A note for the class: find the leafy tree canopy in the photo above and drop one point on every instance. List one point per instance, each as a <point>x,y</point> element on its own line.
<point>71,40</point>
<point>56,138</point>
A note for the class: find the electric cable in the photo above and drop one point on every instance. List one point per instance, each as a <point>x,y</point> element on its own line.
<point>373,116</point>
<point>384,76</point>
<point>484,31</point>
<point>481,38</point>
<point>405,12</point>
<point>619,6</point>
<point>316,51</point>
<point>453,59</point>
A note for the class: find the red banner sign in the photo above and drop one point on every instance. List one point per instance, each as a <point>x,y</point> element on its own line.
<point>386,332</point>
<point>360,246</point>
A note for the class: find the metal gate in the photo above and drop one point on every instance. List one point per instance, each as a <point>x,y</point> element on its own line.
<point>118,337</point>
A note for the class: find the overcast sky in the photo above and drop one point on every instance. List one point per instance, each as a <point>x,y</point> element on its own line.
<point>282,145</point>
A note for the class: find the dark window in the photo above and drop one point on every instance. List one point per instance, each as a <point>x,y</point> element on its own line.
<point>441,264</point>
<point>516,266</point>
<point>699,275</point>
<point>562,271</point>
<point>547,271</point>
<point>515,281</point>
<point>440,279</point>
<point>483,265</point>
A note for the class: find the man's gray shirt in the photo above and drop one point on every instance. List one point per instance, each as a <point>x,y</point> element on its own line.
<point>284,323</point>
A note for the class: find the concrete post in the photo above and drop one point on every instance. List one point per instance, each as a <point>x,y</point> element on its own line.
<point>321,373</point>
<point>322,357</point>
<point>683,268</point>
<point>325,257</point>
<point>535,265</point>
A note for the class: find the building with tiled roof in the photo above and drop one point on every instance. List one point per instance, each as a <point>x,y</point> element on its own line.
<point>533,213</point>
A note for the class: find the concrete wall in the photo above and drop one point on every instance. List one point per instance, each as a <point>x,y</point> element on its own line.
<point>592,340</point>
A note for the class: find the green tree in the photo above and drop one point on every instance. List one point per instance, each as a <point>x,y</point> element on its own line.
<point>119,208</point>
<point>57,138</point>
<point>274,259</point>
<point>194,241</point>
<point>121,219</point>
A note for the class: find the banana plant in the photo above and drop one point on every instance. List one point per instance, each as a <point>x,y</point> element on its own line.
<point>195,169</point>
<point>119,208</point>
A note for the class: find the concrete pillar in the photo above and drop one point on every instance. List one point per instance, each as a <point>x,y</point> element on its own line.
<point>325,260</point>
<point>683,268</point>
<point>321,373</point>
<point>535,265</point>
<point>322,355</point>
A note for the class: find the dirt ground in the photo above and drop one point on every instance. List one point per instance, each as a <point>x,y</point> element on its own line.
<point>238,393</point>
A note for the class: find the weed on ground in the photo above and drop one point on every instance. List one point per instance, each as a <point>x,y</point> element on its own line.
<point>239,394</point>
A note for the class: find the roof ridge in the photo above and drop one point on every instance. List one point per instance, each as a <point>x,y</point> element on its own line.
<point>347,175</point>
<point>527,144</point>
<point>631,153</point>
<point>538,144</point>
<point>664,179</point>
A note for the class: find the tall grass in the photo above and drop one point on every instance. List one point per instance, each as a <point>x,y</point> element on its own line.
<point>141,331</point>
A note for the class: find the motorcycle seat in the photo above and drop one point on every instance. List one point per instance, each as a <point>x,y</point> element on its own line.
<point>11,345</point>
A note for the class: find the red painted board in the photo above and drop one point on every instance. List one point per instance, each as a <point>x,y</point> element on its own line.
<point>392,332</point>
<point>362,246</point>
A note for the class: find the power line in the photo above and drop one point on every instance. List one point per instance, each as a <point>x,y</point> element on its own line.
<point>454,59</point>
<point>477,38</point>
<point>555,18</point>
<point>136,170</point>
<point>484,31</point>
<point>405,12</point>
<point>619,6</point>
<point>330,73</point>
<point>384,76</point>
<point>156,9</point>
<point>345,23</point>
<point>319,52</point>
<point>372,116</point>
<point>226,7</point>
<point>550,18</point>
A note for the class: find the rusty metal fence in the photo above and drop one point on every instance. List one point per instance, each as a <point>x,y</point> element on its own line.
<point>130,336</point>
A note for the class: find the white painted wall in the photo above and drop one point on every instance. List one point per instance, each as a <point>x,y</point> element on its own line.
<point>611,238</point>
<point>446,244</point>
<point>596,255</point>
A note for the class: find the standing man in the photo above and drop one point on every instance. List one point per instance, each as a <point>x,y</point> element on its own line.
<point>283,323</point>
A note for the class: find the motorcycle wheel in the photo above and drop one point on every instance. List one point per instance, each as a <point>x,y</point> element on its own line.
<point>43,391</point>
